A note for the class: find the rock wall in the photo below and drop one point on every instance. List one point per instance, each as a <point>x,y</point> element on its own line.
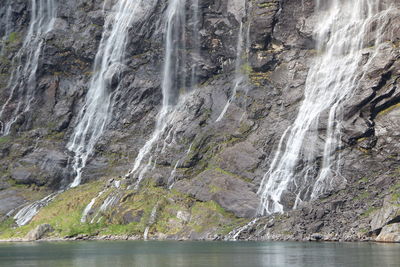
<point>222,161</point>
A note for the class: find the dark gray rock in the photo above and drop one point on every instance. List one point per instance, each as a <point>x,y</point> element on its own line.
<point>233,194</point>
<point>130,217</point>
<point>9,200</point>
<point>22,176</point>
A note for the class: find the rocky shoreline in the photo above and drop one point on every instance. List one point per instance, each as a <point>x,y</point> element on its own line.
<point>276,238</point>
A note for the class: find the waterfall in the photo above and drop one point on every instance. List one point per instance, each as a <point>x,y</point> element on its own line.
<point>110,200</point>
<point>152,220</point>
<point>174,63</point>
<point>239,75</point>
<point>171,179</point>
<point>295,170</point>
<point>172,82</point>
<point>95,114</point>
<point>109,63</point>
<point>89,207</point>
<point>25,215</point>
<point>6,23</point>
<point>22,83</point>
<point>196,42</point>
<point>235,233</point>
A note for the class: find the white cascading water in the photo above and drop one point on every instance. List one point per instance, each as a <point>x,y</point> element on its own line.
<point>172,82</point>
<point>22,83</point>
<point>109,63</point>
<point>241,60</point>
<point>25,215</point>
<point>340,33</point>
<point>94,116</point>
<point>240,76</point>
<point>196,41</point>
<point>89,207</point>
<point>111,199</point>
<point>171,178</point>
<point>7,24</point>
<point>152,220</point>
<point>235,233</point>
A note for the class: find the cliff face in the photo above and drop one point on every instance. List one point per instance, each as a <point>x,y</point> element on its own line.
<point>239,72</point>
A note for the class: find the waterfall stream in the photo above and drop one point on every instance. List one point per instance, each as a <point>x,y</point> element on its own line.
<point>22,83</point>
<point>152,220</point>
<point>25,215</point>
<point>240,75</point>
<point>109,63</point>
<point>172,83</point>
<point>89,207</point>
<point>7,24</point>
<point>235,233</point>
<point>241,60</point>
<point>340,34</point>
<point>196,40</point>
<point>97,109</point>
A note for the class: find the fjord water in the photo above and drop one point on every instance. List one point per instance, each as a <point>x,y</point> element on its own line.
<point>304,167</point>
<point>193,254</point>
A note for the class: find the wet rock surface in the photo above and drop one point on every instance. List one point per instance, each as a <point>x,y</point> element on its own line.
<point>221,161</point>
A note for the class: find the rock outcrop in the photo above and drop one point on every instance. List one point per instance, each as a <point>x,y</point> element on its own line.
<point>39,232</point>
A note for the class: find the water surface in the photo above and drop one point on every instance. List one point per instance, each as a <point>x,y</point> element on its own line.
<point>176,254</point>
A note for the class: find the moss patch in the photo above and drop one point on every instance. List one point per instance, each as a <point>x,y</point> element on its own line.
<point>388,110</point>
<point>13,37</point>
<point>369,211</point>
<point>65,211</point>
<point>5,139</point>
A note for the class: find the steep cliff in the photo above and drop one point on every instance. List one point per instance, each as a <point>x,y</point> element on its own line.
<point>162,119</point>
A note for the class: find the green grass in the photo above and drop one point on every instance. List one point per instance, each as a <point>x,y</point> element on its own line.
<point>14,37</point>
<point>5,139</point>
<point>395,190</point>
<point>369,211</point>
<point>65,211</point>
<point>362,196</point>
<point>265,5</point>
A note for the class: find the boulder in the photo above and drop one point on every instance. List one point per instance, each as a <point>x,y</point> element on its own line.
<point>39,232</point>
<point>385,215</point>
<point>389,233</point>
<point>22,176</point>
<point>183,215</point>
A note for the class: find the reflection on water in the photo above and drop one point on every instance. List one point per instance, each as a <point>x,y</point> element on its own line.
<point>226,254</point>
